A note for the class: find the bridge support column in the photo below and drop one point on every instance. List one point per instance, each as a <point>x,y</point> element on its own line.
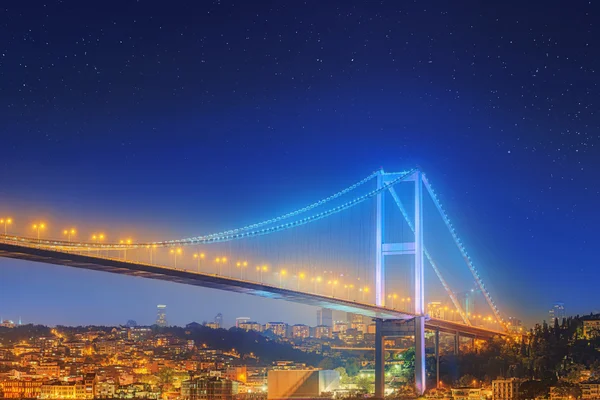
<point>456,343</point>
<point>379,360</point>
<point>420,376</point>
<point>379,240</point>
<point>437,359</point>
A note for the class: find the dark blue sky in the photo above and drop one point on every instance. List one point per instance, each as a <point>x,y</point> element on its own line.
<point>194,116</point>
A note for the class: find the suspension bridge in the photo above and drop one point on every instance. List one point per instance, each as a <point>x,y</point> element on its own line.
<point>351,264</point>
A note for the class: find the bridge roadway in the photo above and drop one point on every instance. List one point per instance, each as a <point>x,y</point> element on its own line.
<point>188,277</point>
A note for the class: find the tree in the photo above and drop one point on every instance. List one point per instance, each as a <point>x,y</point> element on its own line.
<point>468,381</point>
<point>326,363</point>
<point>165,378</point>
<point>365,383</point>
<point>566,389</point>
<point>343,374</point>
<point>531,389</point>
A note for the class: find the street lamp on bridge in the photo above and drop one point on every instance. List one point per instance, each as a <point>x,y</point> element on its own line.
<point>39,227</point>
<point>282,273</point>
<point>333,285</point>
<point>176,252</point>
<point>69,232</point>
<point>363,290</point>
<point>5,221</point>
<point>127,241</point>
<point>241,265</point>
<point>349,286</point>
<point>393,297</point>
<point>259,270</point>
<point>301,276</point>
<point>199,256</point>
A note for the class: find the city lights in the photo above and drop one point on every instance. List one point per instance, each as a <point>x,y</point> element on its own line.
<point>199,257</point>
<point>5,222</point>
<point>176,252</point>
<point>38,228</point>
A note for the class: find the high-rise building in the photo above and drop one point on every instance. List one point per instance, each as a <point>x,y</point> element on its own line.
<point>219,320</point>
<point>161,315</point>
<point>241,320</point>
<point>322,331</point>
<point>250,326</point>
<point>467,300</point>
<point>325,317</point>
<point>300,331</point>
<point>557,312</point>
<point>278,328</point>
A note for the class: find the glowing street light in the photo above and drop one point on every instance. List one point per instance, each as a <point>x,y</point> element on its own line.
<point>301,276</point>
<point>39,227</point>
<point>333,285</point>
<point>260,269</point>
<point>220,261</point>
<point>241,265</point>
<point>151,248</point>
<point>199,256</point>
<point>69,232</point>
<point>393,297</point>
<point>349,286</point>
<point>316,280</point>
<point>282,273</point>
<point>5,221</point>
<point>123,242</point>
<point>363,290</point>
<point>176,252</point>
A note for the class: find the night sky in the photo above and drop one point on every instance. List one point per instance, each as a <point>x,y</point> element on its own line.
<point>185,117</point>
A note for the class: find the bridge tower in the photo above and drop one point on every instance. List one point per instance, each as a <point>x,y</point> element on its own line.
<point>384,249</point>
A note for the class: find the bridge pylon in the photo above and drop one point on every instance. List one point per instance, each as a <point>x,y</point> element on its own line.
<point>383,249</point>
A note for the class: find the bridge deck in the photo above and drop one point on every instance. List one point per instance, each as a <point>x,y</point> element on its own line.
<point>187,277</point>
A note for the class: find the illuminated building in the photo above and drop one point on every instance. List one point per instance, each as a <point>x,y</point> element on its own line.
<point>64,390</point>
<point>590,390</point>
<point>250,326</point>
<point>325,317</point>
<point>339,327</point>
<point>322,332</point>
<point>354,318</point>
<point>139,333</point>
<point>591,328</point>
<point>278,328</point>
<point>300,383</point>
<point>467,394</point>
<point>106,390</point>
<point>300,331</point>
<point>219,320</point>
<point>240,320</point>
<point>161,315</point>
<point>505,389</point>
<point>515,325</point>
<point>467,300</point>
<point>557,312</point>
<point>239,374</point>
<point>212,325</point>
<point>21,389</point>
<point>371,329</point>
<point>210,388</point>
<point>7,323</point>
<point>49,369</point>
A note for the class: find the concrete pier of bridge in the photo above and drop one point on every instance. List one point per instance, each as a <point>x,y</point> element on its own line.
<point>415,327</point>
